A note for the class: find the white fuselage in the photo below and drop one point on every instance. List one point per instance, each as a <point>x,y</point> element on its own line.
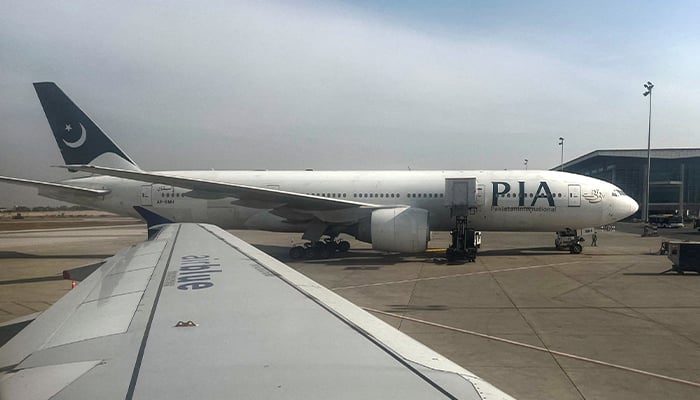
<point>506,200</point>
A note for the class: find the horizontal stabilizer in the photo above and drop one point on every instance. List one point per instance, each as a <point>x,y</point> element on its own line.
<point>55,186</point>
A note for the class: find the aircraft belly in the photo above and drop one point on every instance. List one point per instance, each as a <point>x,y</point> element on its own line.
<point>529,219</point>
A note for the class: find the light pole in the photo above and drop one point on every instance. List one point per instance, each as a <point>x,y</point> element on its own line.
<point>526,164</point>
<point>648,86</point>
<point>561,143</point>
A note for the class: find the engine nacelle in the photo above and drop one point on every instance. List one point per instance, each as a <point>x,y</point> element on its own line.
<point>401,229</point>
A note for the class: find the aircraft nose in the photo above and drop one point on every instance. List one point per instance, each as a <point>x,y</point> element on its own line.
<point>634,206</point>
<point>624,207</point>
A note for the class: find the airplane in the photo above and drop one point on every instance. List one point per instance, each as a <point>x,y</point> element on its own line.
<point>393,210</point>
<point>196,312</point>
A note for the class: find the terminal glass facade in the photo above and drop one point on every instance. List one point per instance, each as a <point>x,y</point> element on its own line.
<point>675,177</point>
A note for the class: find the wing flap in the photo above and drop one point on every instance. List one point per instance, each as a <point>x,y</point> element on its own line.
<point>23,384</point>
<point>103,304</point>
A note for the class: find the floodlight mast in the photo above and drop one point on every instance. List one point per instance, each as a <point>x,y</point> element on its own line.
<point>561,143</point>
<point>648,86</point>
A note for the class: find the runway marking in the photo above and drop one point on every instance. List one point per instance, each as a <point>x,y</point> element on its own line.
<point>75,228</point>
<point>432,278</point>
<point>538,348</point>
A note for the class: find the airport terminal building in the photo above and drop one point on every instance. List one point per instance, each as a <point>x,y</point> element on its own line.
<point>674,180</point>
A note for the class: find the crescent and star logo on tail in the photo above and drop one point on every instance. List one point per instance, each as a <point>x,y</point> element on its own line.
<point>81,139</point>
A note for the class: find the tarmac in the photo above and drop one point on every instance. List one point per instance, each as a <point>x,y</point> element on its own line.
<point>535,322</point>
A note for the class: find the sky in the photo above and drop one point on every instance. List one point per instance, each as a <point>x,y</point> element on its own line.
<point>348,84</point>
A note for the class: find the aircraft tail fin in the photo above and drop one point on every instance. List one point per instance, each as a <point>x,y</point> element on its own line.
<point>80,140</point>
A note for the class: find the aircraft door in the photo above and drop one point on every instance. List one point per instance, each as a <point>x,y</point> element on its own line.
<point>574,195</point>
<point>480,195</point>
<point>461,195</point>
<point>146,195</point>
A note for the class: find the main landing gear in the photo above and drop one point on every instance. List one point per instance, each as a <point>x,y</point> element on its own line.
<point>319,250</point>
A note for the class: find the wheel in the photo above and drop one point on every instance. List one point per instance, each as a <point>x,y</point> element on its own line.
<point>296,253</point>
<point>576,249</point>
<point>324,251</point>
<point>343,246</point>
<point>309,253</point>
<point>450,254</point>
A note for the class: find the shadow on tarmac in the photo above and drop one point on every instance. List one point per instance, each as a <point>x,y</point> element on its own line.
<point>668,272</point>
<point>17,254</point>
<point>33,280</point>
<point>365,257</point>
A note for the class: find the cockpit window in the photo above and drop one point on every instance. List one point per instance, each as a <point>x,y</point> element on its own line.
<point>618,193</point>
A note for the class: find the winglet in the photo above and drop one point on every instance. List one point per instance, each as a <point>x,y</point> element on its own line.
<point>152,219</point>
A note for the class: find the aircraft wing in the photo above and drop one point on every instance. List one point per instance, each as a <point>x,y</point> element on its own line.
<point>198,313</point>
<point>55,186</point>
<point>272,198</point>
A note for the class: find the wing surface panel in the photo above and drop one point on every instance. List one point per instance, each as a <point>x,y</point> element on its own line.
<point>210,316</point>
<point>101,321</point>
<point>439,369</point>
<point>23,384</point>
<point>276,340</point>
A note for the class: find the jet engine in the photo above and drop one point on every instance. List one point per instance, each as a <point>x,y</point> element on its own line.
<point>400,229</point>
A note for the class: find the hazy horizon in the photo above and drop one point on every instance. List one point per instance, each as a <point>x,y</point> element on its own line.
<point>347,84</point>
